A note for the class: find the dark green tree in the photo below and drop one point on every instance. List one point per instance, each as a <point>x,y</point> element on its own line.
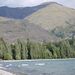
<point>28,49</point>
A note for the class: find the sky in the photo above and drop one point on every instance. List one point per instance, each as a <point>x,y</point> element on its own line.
<point>29,3</point>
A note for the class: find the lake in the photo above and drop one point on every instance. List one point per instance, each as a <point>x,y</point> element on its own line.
<point>40,67</point>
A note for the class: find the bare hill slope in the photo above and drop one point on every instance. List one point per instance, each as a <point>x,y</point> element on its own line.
<point>12,30</point>
<point>54,15</point>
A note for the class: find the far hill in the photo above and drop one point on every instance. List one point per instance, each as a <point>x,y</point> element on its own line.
<point>19,12</point>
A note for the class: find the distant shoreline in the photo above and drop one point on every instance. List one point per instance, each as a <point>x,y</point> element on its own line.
<point>34,60</point>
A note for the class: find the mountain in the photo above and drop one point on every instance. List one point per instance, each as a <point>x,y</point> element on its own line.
<point>55,18</point>
<point>51,23</point>
<point>19,12</point>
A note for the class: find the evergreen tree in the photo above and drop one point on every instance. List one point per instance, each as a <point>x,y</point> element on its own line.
<point>23,50</point>
<point>2,48</point>
<point>18,49</point>
<point>52,48</point>
<point>13,51</point>
<point>29,49</point>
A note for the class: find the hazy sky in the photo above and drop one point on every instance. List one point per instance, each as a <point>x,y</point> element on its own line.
<point>25,3</point>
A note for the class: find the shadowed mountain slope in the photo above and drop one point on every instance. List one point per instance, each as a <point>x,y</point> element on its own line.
<point>19,12</point>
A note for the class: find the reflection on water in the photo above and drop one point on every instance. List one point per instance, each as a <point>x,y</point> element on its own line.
<point>41,67</point>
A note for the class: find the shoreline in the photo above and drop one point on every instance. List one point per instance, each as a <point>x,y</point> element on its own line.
<point>34,60</point>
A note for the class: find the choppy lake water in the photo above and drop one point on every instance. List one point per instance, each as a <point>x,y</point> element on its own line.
<point>41,67</point>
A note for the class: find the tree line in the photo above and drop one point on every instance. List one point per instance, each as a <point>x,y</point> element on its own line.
<point>21,50</point>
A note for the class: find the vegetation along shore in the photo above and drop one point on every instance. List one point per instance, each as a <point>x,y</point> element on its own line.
<point>21,50</point>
